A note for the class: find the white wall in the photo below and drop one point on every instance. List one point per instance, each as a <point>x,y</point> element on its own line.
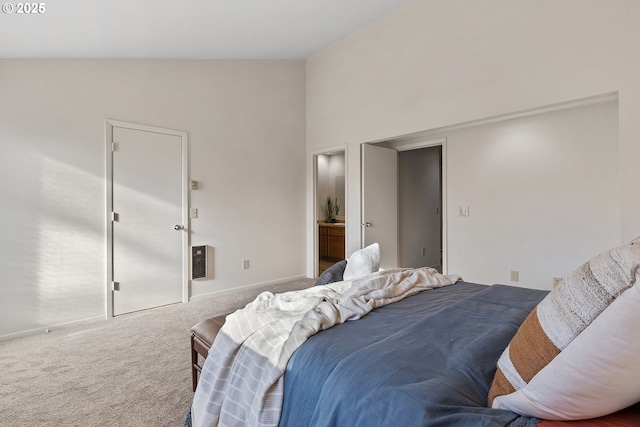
<point>438,63</point>
<point>542,192</point>
<point>246,125</point>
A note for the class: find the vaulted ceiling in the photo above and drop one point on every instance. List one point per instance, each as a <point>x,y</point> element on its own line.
<point>182,29</point>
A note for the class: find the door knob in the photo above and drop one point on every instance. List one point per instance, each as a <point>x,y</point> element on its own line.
<point>367,224</point>
<point>178,227</point>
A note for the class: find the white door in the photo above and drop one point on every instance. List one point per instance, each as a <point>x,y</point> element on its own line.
<point>147,182</point>
<point>380,202</point>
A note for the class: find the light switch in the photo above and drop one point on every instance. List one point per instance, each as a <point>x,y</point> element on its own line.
<point>193,213</point>
<point>194,184</point>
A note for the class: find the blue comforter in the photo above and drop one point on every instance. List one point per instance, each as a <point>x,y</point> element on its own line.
<point>427,360</point>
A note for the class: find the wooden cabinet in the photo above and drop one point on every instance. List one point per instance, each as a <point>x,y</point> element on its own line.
<point>335,242</point>
<point>323,241</point>
<point>331,241</point>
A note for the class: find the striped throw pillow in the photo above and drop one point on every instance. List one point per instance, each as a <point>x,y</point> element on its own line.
<point>535,375</point>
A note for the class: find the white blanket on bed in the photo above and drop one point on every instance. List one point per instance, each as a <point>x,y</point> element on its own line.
<point>242,380</point>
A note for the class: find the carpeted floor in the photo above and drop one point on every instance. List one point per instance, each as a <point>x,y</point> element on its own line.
<point>131,371</point>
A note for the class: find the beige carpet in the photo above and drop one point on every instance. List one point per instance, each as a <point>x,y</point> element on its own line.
<point>131,371</point>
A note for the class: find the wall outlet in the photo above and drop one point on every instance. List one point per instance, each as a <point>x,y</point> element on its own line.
<point>245,264</point>
<point>463,211</point>
<point>514,275</point>
<point>556,281</point>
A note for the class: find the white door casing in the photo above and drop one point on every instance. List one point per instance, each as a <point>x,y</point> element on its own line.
<point>380,202</point>
<point>424,143</point>
<point>420,207</point>
<point>147,225</point>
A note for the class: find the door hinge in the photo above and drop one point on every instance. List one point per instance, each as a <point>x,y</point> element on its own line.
<point>114,147</point>
<point>115,217</point>
<point>115,286</point>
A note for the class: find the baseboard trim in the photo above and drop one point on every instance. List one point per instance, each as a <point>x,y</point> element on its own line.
<point>55,327</point>
<point>49,328</point>
<point>245,287</point>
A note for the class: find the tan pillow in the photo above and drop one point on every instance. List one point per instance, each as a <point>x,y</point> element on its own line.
<point>575,355</point>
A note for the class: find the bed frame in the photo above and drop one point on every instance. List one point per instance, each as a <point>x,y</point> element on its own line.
<point>202,336</point>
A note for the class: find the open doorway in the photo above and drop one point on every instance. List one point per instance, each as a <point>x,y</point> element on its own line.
<point>420,208</point>
<point>415,237</point>
<point>330,208</point>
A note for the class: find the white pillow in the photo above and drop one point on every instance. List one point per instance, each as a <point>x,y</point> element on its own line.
<point>596,374</point>
<point>576,355</point>
<point>363,262</point>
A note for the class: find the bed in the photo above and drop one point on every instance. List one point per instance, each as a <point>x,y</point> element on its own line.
<point>428,355</point>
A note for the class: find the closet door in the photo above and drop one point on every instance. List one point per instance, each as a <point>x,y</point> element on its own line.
<point>380,202</point>
<point>148,219</point>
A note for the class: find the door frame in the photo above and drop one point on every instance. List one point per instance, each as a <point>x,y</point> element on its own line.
<point>109,125</point>
<point>425,143</point>
<point>417,143</point>
<point>313,158</point>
